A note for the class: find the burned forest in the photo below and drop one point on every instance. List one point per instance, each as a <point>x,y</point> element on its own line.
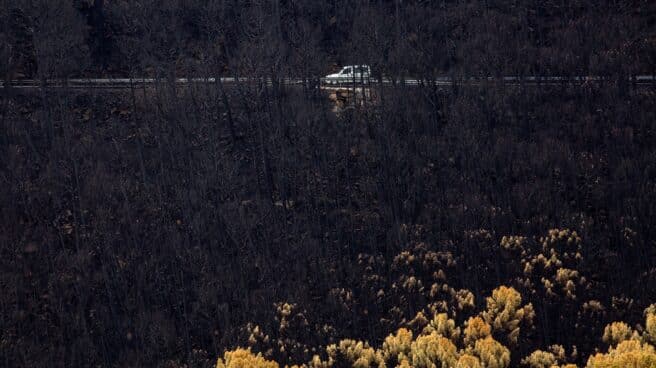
<point>328,184</point>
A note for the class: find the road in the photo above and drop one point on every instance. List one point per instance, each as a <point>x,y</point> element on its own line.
<point>122,83</point>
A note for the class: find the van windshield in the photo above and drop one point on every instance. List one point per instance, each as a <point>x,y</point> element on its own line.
<point>346,71</point>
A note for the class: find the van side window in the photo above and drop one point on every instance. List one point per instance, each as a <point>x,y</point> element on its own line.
<point>346,71</point>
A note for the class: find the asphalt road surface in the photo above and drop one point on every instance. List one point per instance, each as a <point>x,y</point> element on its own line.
<point>121,83</point>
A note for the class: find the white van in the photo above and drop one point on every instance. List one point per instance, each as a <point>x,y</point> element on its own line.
<point>350,74</point>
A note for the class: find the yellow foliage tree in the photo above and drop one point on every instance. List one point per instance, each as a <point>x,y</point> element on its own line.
<point>444,326</point>
<point>475,329</point>
<point>243,358</point>
<point>650,324</point>
<point>540,359</point>
<point>504,312</point>
<point>627,354</point>
<point>617,332</point>
<point>492,353</point>
<point>468,361</point>
<point>357,353</point>
<point>316,362</point>
<point>396,348</point>
<point>433,351</point>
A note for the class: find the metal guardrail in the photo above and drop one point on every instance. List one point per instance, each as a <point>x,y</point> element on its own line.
<point>109,83</point>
